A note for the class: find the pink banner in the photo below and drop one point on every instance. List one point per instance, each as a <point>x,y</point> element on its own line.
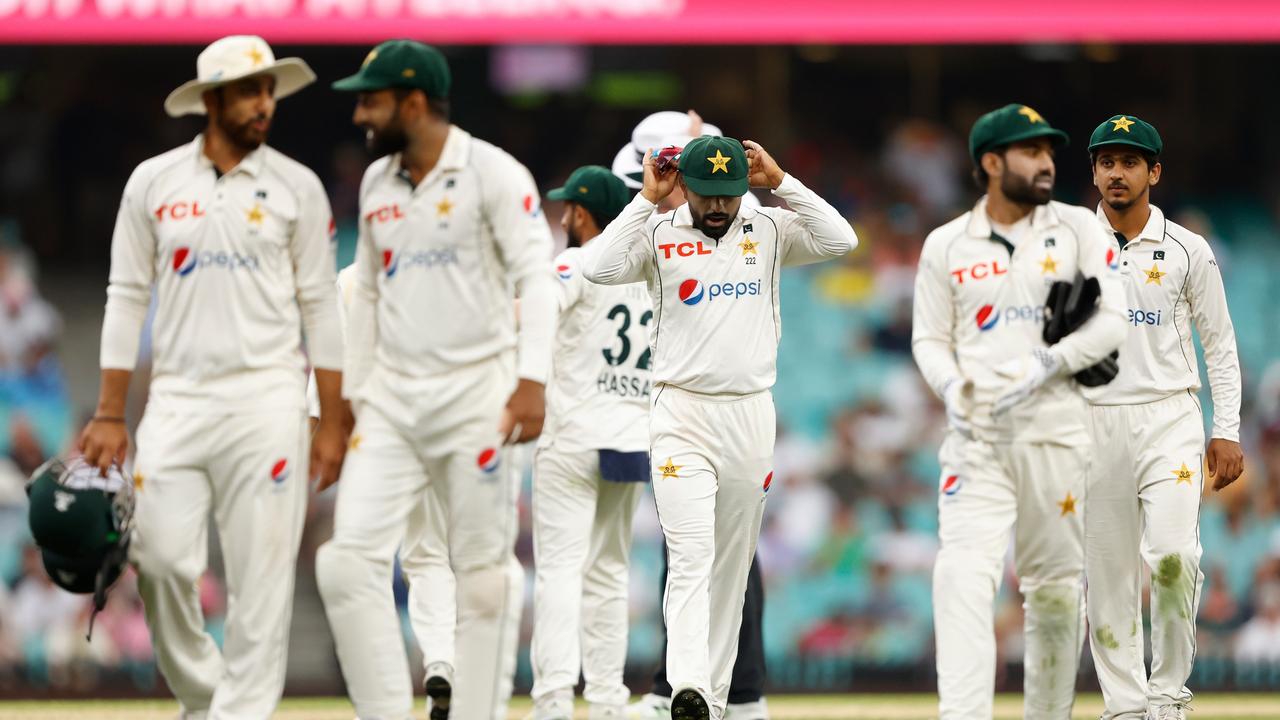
<point>658,22</point>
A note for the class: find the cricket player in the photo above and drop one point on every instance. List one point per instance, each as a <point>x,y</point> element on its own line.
<point>712,272</point>
<point>591,467</point>
<point>1146,480</point>
<point>439,379</point>
<point>235,238</point>
<point>1016,455</point>
<point>746,686</point>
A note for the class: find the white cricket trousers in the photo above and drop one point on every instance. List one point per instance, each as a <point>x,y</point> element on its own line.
<point>250,470</point>
<point>410,430</point>
<point>988,492</point>
<point>582,551</point>
<point>712,458</point>
<point>1144,507</point>
<point>424,560</point>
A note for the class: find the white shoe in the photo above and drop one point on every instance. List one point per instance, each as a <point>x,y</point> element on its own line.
<point>597,711</point>
<point>193,715</point>
<point>650,707</point>
<point>758,710</point>
<point>1173,711</point>
<point>557,705</point>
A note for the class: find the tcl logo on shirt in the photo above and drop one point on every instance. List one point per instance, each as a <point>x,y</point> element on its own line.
<point>979,271</point>
<point>386,213</point>
<point>186,260</point>
<point>686,249</point>
<point>178,211</point>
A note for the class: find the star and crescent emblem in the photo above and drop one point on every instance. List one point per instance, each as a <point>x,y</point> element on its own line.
<point>1032,116</point>
<point>670,470</point>
<point>1121,123</point>
<point>1183,474</point>
<point>719,163</point>
<point>1068,505</point>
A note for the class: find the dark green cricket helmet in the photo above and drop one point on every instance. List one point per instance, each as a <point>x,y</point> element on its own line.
<point>82,522</point>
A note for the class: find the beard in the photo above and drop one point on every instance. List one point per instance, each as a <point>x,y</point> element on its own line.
<point>574,237</point>
<point>1122,205</point>
<point>387,141</point>
<point>1023,191</point>
<point>243,135</point>
<point>714,232</point>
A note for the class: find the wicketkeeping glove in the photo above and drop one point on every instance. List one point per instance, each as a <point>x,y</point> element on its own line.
<point>1070,305</point>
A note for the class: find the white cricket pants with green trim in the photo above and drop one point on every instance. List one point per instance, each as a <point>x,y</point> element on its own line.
<point>1144,508</point>
<point>1034,492</point>
<point>710,509</point>
<point>444,429</point>
<point>251,470</point>
<point>582,554</point>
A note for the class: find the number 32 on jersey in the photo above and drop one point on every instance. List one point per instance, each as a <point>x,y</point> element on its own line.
<point>618,377</point>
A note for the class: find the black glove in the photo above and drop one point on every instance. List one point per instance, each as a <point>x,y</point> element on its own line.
<point>1070,305</point>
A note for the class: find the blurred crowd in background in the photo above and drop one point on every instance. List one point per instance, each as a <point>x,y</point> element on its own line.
<point>849,538</point>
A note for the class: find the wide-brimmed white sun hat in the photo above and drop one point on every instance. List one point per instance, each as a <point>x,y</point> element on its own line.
<point>233,58</point>
<point>655,131</point>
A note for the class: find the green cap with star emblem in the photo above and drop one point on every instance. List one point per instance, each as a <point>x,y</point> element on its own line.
<point>597,189</point>
<point>714,166</point>
<point>401,64</point>
<point>1127,130</point>
<point>1010,124</point>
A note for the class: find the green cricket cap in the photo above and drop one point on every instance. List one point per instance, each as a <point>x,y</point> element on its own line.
<point>1010,124</point>
<point>1127,130</point>
<point>714,166</point>
<point>401,64</point>
<point>595,188</point>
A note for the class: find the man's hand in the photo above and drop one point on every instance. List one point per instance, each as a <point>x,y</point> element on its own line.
<point>1041,366</point>
<point>328,448</point>
<point>762,171</point>
<point>525,411</point>
<point>104,442</point>
<point>1225,460</point>
<point>656,185</point>
<point>695,124</point>
<point>956,398</point>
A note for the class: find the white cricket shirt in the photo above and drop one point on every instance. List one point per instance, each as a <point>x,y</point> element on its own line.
<point>980,303</point>
<point>598,396</point>
<point>1172,283</point>
<point>717,324</point>
<point>437,266</point>
<point>241,264</point>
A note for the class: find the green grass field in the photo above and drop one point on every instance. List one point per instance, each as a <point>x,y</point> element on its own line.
<point>796,707</point>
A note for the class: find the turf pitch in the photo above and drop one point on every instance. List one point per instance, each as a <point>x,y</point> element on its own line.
<point>1210,706</point>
